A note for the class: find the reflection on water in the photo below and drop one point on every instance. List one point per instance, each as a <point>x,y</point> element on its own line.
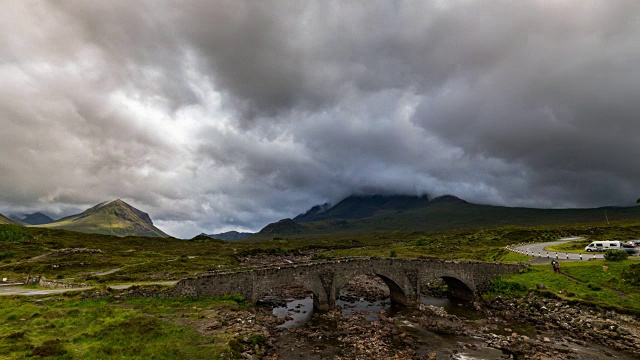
<point>460,308</point>
<point>370,309</point>
<point>297,312</point>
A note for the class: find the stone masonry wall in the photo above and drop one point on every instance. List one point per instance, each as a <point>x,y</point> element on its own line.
<point>326,278</point>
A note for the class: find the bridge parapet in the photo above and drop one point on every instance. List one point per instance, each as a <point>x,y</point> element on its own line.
<point>325,278</point>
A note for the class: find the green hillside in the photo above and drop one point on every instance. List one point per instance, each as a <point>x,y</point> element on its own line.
<point>113,218</point>
<point>6,220</point>
<point>374,214</point>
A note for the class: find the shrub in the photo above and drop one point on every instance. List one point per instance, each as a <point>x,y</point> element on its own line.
<point>257,339</point>
<point>504,287</point>
<point>49,348</point>
<point>615,255</point>
<point>12,234</point>
<point>237,298</point>
<point>7,255</point>
<point>322,256</point>
<point>393,254</point>
<point>632,275</point>
<point>15,335</point>
<point>594,287</point>
<point>236,347</point>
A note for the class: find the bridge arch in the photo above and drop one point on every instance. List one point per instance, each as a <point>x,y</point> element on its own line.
<point>400,290</point>
<point>458,288</point>
<point>269,285</point>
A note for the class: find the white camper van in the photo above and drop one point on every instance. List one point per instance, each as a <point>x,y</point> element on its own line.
<point>602,246</point>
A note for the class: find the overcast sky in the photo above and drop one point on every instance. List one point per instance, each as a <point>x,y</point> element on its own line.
<point>222,115</point>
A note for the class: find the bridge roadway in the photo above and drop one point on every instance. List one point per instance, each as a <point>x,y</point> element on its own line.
<point>324,279</point>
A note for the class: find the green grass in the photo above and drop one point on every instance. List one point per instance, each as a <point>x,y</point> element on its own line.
<point>592,282</point>
<point>570,247</point>
<point>137,328</point>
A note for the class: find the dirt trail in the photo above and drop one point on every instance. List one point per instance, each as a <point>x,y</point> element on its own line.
<point>29,291</point>
<point>35,258</point>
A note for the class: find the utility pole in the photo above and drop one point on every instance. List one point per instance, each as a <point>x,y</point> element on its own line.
<point>605,215</point>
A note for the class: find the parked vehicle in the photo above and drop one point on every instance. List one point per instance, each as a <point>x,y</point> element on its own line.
<point>629,244</point>
<point>603,246</point>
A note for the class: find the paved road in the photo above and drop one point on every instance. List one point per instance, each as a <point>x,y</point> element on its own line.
<point>538,251</point>
<point>540,255</point>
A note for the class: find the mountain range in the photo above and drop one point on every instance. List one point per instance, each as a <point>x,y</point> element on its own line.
<point>109,218</point>
<point>356,214</point>
<point>229,236</point>
<point>37,218</point>
<point>363,206</point>
<point>380,213</point>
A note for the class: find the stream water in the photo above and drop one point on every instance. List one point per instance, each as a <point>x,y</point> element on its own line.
<point>299,311</point>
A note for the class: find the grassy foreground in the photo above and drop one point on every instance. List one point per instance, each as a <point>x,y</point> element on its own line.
<point>137,328</point>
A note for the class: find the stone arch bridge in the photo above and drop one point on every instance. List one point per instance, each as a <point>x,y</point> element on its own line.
<point>324,279</point>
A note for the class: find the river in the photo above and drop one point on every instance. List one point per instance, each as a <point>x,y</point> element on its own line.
<point>298,318</point>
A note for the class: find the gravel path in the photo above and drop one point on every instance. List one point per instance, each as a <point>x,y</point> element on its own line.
<point>20,290</point>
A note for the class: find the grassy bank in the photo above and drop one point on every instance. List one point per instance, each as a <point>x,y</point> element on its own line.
<point>576,247</point>
<point>602,283</point>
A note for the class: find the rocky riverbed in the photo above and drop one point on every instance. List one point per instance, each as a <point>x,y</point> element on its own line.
<point>529,328</point>
<point>575,324</point>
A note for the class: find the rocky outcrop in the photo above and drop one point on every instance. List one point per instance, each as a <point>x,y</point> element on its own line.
<point>52,284</point>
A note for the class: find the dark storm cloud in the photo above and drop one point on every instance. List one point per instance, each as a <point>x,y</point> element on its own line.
<point>220,115</point>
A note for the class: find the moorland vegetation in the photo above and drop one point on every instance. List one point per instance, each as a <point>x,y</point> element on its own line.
<point>68,326</point>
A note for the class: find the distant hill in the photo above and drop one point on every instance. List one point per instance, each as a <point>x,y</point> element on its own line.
<point>283,227</point>
<point>37,218</point>
<point>6,221</point>
<point>110,218</point>
<point>230,236</point>
<point>378,213</point>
